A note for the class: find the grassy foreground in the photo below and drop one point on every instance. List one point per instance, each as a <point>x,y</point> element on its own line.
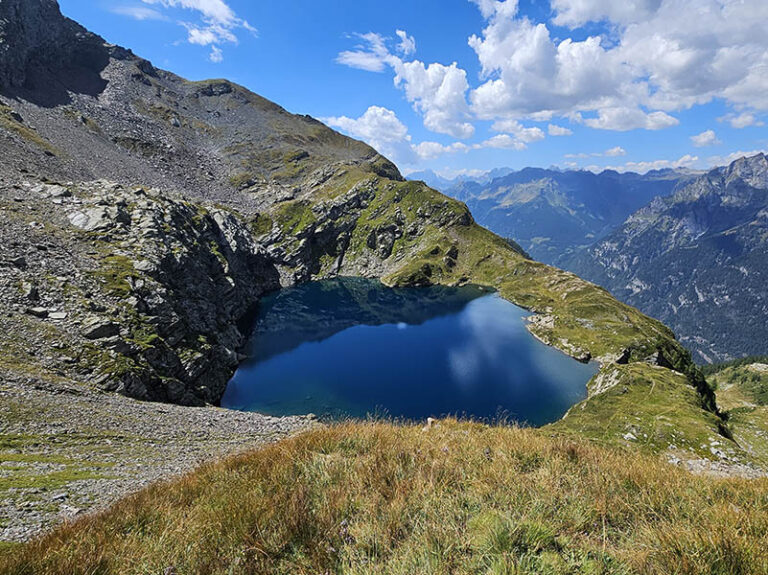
<point>456,498</point>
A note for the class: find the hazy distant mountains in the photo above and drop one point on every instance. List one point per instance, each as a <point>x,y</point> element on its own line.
<point>553,213</point>
<point>435,180</point>
<point>697,260</point>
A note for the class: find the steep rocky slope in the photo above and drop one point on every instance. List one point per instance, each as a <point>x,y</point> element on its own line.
<point>552,213</point>
<point>697,261</point>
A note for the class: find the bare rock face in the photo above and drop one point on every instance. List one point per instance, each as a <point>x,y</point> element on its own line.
<point>35,37</point>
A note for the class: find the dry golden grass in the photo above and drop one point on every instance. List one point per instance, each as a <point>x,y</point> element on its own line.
<point>458,498</point>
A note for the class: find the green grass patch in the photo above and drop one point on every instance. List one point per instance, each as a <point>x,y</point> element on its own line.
<point>294,217</point>
<point>12,122</point>
<point>115,273</point>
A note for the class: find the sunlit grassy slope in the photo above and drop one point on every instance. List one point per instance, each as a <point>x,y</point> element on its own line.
<point>455,498</point>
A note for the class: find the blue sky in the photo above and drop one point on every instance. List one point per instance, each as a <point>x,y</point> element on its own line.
<point>469,85</point>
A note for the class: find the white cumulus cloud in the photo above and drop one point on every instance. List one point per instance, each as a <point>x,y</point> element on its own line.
<point>380,128</point>
<point>706,138</point>
<point>555,130</point>
<point>438,92</point>
<point>614,152</point>
<point>575,13</point>
<point>435,90</point>
<point>742,120</point>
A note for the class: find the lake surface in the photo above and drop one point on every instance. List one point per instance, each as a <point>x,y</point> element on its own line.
<point>353,347</point>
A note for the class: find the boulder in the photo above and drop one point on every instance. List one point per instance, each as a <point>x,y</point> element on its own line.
<point>97,328</point>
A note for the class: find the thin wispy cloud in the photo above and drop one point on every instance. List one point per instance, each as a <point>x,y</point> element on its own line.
<point>137,12</point>
<point>209,23</point>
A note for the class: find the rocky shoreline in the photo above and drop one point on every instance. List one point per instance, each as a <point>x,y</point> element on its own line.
<point>67,450</point>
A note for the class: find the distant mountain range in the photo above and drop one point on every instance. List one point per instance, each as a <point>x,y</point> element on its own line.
<point>697,260</point>
<point>441,183</point>
<point>553,213</point>
<point>688,248</point>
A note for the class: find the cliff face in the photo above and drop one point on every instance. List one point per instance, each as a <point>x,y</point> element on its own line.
<point>37,41</point>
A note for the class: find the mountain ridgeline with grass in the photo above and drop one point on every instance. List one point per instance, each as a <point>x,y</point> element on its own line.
<point>143,216</point>
<point>554,213</point>
<point>684,247</point>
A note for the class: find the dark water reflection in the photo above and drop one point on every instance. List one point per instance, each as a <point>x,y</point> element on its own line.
<point>352,347</point>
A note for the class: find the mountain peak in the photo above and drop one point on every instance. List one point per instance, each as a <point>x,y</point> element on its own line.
<point>753,170</point>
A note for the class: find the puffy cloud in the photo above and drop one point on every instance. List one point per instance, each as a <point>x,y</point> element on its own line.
<point>490,8</point>
<point>521,133</point>
<point>438,92</point>
<point>218,23</point>
<point>614,152</point>
<point>739,121</point>
<point>655,58</point>
<point>667,55</point>
<point>706,138</point>
<point>692,51</point>
<point>574,13</point>
<point>528,73</point>
<point>381,128</point>
<point>624,119</point>
<point>555,130</point>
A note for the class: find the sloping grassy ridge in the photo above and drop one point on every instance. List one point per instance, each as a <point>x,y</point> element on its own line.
<point>456,498</point>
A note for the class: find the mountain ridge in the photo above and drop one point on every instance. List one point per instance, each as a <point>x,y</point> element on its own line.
<point>695,259</point>
<point>554,213</point>
<point>140,221</point>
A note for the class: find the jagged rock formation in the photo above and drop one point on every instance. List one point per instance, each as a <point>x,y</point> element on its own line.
<point>696,260</point>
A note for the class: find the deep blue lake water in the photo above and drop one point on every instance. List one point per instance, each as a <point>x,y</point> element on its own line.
<point>352,347</point>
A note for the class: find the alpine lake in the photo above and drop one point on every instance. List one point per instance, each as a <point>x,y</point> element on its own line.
<point>353,347</point>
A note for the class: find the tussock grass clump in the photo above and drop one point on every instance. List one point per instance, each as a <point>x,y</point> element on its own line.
<point>456,498</point>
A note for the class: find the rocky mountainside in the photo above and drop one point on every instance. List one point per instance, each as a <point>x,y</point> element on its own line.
<point>76,108</point>
<point>142,217</point>
<point>697,260</point>
<point>552,213</point>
